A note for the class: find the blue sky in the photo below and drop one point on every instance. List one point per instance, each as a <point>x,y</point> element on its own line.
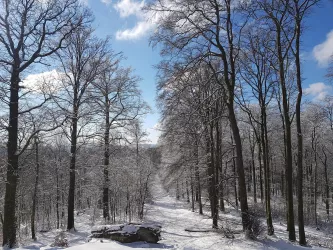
<point>124,22</point>
<point>140,56</point>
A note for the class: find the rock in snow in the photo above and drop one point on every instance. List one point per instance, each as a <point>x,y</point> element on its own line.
<point>127,233</point>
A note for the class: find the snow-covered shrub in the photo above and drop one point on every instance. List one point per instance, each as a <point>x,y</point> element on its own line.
<point>60,240</point>
<point>258,227</point>
<point>228,232</point>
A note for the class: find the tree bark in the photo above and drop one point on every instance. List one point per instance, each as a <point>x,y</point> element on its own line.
<point>106,209</point>
<point>197,176</point>
<point>212,176</point>
<point>252,147</point>
<point>71,192</point>
<point>240,169</point>
<point>34,198</point>
<point>10,223</point>
<point>58,198</point>
<point>327,188</point>
<point>287,122</point>
<point>302,239</point>
<point>264,142</point>
<point>260,171</point>
<point>192,191</point>
<point>229,73</point>
<point>234,173</point>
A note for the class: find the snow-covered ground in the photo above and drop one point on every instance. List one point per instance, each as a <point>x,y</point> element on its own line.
<point>174,217</point>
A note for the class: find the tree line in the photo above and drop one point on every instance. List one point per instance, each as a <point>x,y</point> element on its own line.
<point>70,121</point>
<point>234,120</point>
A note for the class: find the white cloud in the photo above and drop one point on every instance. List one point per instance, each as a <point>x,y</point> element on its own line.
<point>154,136</point>
<point>46,82</point>
<point>318,90</point>
<point>139,30</point>
<point>129,7</point>
<point>323,52</point>
<point>157,126</point>
<point>147,20</point>
<point>143,25</point>
<point>155,133</point>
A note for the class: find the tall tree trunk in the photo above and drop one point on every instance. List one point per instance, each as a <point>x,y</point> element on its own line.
<point>211,175</point>
<point>177,189</point>
<point>264,142</point>
<point>34,198</point>
<point>302,239</point>
<point>287,122</point>
<point>221,191</point>
<point>234,174</point>
<point>58,198</point>
<point>218,160</point>
<point>62,203</point>
<point>9,223</point>
<point>187,192</point>
<point>327,188</point>
<point>314,150</point>
<point>316,188</point>
<point>260,171</point>
<point>240,168</point>
<point>197,176</point>
<point>229,74</point>
<point>71,192</point>
<point>106,210</point>
<point>252,147</point>
<point>192,191</point>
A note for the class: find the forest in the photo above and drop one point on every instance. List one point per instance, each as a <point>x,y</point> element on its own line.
<point>239,134</point>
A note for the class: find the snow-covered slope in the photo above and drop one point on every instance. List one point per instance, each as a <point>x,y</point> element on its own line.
<point>174,217</point>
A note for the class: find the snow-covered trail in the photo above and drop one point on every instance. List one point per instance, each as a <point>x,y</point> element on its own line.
<point>174,217</point>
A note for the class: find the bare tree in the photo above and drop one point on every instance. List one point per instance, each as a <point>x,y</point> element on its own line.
<point>257,75</point>
<point>192,30</point>
<point>280,21</point>
<point>39,124</point>
<point>81,62</point>
<point>118,101</point>
<point>299,9</point>
<point>29,32</point>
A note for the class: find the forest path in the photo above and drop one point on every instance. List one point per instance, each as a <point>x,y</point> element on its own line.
<point>174,216</point>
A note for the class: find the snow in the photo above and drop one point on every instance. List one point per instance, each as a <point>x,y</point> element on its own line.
<point>174,217</point>
<point>130,229</point>
<point>109,227</point>
<point>108,245</point>
<point>125,228</point>
<point>155,226</point>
